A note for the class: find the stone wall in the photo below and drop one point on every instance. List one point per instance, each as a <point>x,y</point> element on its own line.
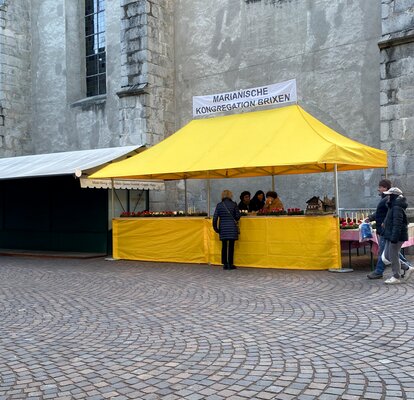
<point>137,108</point>
<point>146,110</point>
<point>147,65</point>
<point>330,47</point>
<point>397,92</point>
<point>15,90</point>
<point>63,119</point>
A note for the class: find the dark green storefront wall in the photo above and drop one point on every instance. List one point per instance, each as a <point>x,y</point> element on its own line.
<point>53,214</point>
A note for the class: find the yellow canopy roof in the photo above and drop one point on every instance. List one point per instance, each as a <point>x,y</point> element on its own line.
<point>285,140</point>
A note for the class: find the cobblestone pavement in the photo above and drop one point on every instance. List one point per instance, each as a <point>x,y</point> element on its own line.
<point>97,329</point>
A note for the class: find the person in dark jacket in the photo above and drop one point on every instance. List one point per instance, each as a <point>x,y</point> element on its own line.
<point>225,220</point>
<point>258,201</point>
<point>395,232</point>
<point>379,216</point>
<point>244,201</point>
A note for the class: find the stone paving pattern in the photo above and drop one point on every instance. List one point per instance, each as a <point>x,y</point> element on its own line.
<point>97,329</point>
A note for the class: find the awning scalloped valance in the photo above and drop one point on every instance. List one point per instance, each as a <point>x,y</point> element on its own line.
<point>121,184</point>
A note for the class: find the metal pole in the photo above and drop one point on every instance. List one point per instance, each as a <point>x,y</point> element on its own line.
<point>185,196</point>
<point>208,197</point>
<point>337,217</point>
<point>110,257</point>
<point>336,190</point>
<point>147,202</point>
<point>386,173</point>
<point>273,183</point>
<point>112,198</point>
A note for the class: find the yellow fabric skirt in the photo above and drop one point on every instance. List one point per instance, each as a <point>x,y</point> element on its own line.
<point>287,242</point>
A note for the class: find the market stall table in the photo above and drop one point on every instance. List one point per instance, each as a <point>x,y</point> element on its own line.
<point>287,242</point>
<point>350,239</point>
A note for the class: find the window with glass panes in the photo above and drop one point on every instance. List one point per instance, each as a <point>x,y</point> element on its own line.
<point>95,47</point>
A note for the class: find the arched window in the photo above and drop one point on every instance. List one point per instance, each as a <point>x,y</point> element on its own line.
<point>95,47</point>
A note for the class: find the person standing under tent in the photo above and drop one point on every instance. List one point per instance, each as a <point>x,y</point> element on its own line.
<point>273,202</point>
<point>244,201</point>
<point>225,223</point>
<point>258,201</point>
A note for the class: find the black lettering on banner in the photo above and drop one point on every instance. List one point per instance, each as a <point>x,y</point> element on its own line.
<point>281,98</point>
<point>240,94</point>
<point>231,105</point>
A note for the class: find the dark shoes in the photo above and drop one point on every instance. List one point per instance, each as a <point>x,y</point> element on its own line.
<point>228,267</point>
<point>374,275</point>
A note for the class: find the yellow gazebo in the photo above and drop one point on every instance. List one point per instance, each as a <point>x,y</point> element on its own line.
<point>280,141</point>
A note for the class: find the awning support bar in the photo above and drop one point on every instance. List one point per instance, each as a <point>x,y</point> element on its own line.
<point>336,190</point>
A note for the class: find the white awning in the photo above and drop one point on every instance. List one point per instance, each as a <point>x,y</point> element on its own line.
<point>77,163</point>
<point>64,163</point>
<point>122,184</point>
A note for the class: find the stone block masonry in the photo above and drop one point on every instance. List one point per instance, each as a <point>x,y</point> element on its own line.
<point>397,92</point>
<point>14,78</point>
<point>147,67</point>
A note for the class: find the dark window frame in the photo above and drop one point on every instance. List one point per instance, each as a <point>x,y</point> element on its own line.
<point>95,46</point>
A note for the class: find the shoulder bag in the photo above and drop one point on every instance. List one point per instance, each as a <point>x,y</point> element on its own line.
<point>231,215</point>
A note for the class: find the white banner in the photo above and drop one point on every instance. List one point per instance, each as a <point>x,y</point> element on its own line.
<point>121,184</point>
<point>278,93</point>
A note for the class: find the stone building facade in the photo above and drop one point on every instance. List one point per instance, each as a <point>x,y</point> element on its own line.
<point>15,79</point>
<point>351,60</point>
<point>397,91</point>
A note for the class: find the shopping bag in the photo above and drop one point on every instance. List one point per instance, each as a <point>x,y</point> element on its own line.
<point>365,232</point>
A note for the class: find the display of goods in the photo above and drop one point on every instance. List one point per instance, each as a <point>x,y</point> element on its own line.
<point>143,214</point>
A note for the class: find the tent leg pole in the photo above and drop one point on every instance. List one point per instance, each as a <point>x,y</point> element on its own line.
<point>208,216</point>
<point>208,197</point>
<point>185,196</point>
<point>337,216</point>
<point>147,200</point>
<point>110,257</point>
<point>273,183</point>
<point>386,173</point>
<point>336,190</point>
<point>112,199</point>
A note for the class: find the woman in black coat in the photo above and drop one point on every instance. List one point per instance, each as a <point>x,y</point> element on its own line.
<point>258,201</point>
<point>225,220</point>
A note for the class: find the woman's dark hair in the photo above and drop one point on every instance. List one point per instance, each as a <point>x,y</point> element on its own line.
<point>255,203</point>
<point>246,192</point>
<point>272,194</point>
<point>257,193</point>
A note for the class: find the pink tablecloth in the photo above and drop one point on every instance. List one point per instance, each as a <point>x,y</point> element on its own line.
<point>352,235</point>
